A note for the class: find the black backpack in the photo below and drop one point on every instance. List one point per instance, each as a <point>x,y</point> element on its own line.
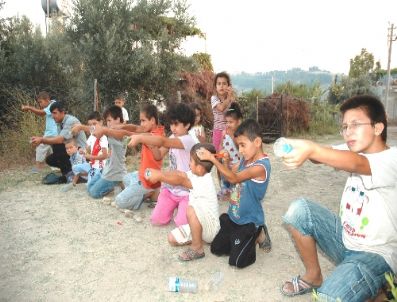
<point>53,179</point>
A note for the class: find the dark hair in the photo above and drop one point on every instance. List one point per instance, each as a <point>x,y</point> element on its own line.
<point>120,97</point>
<point>372,106</point>
<point>204,163</point>
<point>43,95</point>
<point>196,106</point>
<point>150,111</point>
<point>57,105</point>
<point>182,113</point>
<point>95,115</point>
<point>222,74</point>
<point>115,112</point>
<point>249,128</point>
<point>70,141</point>
<point>234,111</point>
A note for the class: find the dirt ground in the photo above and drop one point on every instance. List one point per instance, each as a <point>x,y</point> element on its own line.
<point>58,246</point>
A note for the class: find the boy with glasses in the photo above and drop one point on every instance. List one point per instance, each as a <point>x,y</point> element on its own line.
<point>362,239</point>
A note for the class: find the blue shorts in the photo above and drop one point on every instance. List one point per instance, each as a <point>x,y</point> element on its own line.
<point>358,275</point>
<point>132,196</point>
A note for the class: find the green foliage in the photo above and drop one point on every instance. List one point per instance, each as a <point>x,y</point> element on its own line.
<point>324,118</point>
<point>248,102</point>
<point>362,64</point>
<point>17,128</point>
<point>311,92</point>
<point>203,60</point>
<point>393,289</point>
<point>348,87</point>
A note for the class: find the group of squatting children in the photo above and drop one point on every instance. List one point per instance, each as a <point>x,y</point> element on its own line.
<point>361,240</point>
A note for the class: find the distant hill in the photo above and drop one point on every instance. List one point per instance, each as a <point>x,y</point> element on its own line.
<point>263,81</point>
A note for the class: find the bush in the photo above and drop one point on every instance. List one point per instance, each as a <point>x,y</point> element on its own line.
<point>16,129</point>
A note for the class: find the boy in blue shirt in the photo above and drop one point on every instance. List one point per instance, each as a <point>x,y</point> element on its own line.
<point>42,150</point>
<point>243,225</point>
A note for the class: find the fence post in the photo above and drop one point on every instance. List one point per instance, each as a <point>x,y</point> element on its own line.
<point>96,95</point>
<point>257,109</point>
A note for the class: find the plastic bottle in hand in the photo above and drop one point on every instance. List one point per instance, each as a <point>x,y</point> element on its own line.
<point>176,284</point>
<point>281,147</point>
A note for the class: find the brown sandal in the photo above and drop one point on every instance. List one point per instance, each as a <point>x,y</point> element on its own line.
<point>189,255</point>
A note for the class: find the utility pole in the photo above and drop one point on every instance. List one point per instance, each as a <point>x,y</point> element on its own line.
<point>47,19</point>
<point>390,38</point>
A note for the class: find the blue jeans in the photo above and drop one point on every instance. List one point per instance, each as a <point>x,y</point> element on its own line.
<point>98,187</point>
<point>358,275</point>
<point>132,196</point>
<point>82,169</point>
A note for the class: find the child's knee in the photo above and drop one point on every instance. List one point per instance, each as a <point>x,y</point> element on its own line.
<point>158,220</point>
<point>297,213</point>
<point>94,193</point>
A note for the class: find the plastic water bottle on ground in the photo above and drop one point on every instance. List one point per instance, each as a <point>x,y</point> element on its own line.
<point>176,284</point>
<point>215,280</point>
<point>281,147</point>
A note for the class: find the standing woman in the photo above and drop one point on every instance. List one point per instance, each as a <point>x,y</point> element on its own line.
<point>220,102</point>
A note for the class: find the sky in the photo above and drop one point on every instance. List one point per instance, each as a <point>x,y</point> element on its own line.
<point>264,35</point>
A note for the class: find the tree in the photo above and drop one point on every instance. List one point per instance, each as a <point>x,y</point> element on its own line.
<point>362,64</point>
<point>131,49</point>
<point>203,60</point>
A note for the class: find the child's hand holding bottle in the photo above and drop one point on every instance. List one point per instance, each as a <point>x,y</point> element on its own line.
<point>299,151</point>
<point>152,175</point>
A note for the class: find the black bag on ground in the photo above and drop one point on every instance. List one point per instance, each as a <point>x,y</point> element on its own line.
<point>52,179</point>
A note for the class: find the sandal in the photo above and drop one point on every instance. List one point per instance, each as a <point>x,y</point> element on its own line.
<point>190,254</point>
<point>299,287</point>
<point>266,244</point>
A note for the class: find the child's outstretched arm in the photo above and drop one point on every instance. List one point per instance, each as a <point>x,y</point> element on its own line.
<point>35,110</point>
<point>175,178</point>
<point>131,128</point>
<point>116,133</point>
<point>348,161</point>
<point>257,172</point>
<point>155,140</point>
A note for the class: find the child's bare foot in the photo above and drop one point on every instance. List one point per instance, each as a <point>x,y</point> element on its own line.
<point>264,241</point>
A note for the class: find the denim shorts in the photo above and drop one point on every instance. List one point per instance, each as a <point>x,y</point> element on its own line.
<point>98,187</point>
<point>358,275</point>
<point>132,196</point>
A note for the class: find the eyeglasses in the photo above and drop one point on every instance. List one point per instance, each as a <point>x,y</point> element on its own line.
<point>352,127</point>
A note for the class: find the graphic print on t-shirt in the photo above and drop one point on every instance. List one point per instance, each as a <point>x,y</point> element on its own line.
<point>352,212</point>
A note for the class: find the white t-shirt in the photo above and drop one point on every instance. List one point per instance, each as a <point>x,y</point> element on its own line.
<point>196,130</point>
<point>179,160</point>
<point>126,118</point>
<point>369,208</point>
<point>202,197</point>
<point>103,142</point>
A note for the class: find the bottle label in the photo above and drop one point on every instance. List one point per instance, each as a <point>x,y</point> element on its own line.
<point>177,284</point>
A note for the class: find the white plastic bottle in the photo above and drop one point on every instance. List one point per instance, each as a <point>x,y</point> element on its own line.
<point>215,281</point>
<point>281,147</point>
<point>176,284</point>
